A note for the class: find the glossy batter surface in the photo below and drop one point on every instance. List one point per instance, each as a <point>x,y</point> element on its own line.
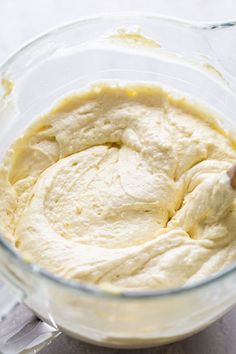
<point>122,184</point>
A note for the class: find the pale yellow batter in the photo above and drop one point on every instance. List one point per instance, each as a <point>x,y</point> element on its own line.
<point>125,185</point>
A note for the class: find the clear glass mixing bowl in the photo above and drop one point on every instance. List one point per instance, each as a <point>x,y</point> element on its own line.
<point>195,59</point>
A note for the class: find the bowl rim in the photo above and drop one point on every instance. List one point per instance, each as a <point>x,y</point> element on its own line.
<point>77,285</point>
<point>204,25</point>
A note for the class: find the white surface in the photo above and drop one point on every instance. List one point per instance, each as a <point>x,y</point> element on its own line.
<point>20,20</point>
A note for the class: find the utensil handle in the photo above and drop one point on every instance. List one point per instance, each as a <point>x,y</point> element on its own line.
<point>20,330</point>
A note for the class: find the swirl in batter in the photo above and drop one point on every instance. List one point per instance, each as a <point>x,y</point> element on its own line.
<point>122,184</point>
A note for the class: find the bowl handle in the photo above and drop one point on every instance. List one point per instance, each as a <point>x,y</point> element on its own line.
<point>221,40</point>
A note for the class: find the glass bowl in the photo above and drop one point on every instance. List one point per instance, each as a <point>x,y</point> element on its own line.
<point>197,60</point>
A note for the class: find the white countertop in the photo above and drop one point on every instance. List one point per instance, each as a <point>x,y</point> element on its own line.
<point>24,19</point>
